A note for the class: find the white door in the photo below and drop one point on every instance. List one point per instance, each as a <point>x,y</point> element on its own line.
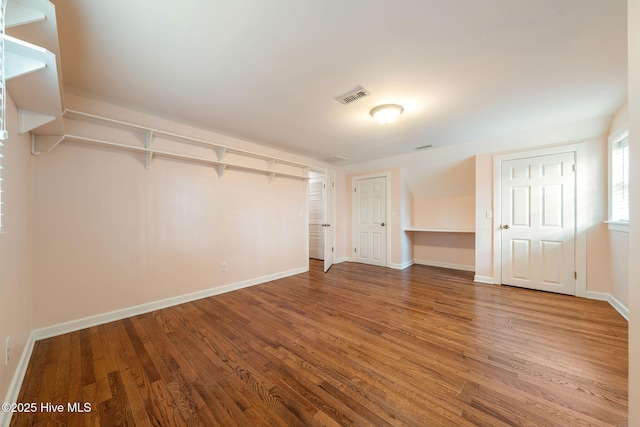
<point>538,222</point>
<point>316,218</point>
<point>328,220</point>
<point>370,202</point>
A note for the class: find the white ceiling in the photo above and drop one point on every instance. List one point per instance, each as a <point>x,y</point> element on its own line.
<point>269,71</point>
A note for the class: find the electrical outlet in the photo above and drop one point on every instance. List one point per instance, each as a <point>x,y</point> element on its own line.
<point>7,350</point>
<point>223,267</point>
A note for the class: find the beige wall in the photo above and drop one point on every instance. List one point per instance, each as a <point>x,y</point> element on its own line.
<point>455,250</point>
<point>484,225</point>
<point>634,223</point>
<point>113,234</point>
<point>15,249</point>
<point>619,241</point>
<point>406,219</point>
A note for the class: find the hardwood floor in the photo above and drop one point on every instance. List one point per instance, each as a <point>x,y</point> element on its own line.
<point>360,345</point>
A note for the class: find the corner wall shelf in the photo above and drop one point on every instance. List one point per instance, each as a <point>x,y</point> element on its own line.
<point>32,67</point>
<point>441,229</point>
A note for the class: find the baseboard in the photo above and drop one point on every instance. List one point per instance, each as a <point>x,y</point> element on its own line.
<point>620,308</point>
<point>401,266</point>
<point>483,279</point>
<point>76,325</point>
<point>87,322</point>
<point>18,378</point>
<point>445,265</point>
<point>343,259</point>
<point>603,296</point>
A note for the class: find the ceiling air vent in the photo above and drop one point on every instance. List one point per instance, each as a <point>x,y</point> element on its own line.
<point>348,98</point>
<point>335,159</point>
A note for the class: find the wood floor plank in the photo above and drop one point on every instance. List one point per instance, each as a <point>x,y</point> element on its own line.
<point>359,345</point>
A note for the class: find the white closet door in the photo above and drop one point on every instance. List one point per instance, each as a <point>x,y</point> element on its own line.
<point>538,223</point>
<point>370,201</point>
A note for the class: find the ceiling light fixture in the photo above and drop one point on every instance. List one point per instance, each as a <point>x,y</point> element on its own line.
<point>387,113</point>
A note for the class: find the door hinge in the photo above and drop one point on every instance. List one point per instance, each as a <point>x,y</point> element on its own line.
<point>355,249</point>
<point>331,248</point>
<point>575,274</point>
<point>324,185</point>
<point>573,167</point>
<point>354,190</point>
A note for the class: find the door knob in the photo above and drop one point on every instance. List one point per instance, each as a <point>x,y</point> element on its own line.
<point>506,226</point>
<point>382,224</point>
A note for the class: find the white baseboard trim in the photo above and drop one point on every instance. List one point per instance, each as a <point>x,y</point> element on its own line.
<point>483,279</point>
<point>603,296</point>
<point>18,378</point>
<point>401,266</point>
<point>76,325</point>
<point>624,311</point>
<point>599,296</point>
<point>343,259</point>
<point>445,265</point>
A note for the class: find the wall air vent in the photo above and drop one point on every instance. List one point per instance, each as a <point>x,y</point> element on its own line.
<point>354,95</point>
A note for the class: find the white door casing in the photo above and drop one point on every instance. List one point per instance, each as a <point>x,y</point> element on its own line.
<point>370,220</point>
<point>538,222</point>
<point>328,226</point>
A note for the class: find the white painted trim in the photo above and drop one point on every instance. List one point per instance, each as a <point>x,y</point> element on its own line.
<point>616,136</point>
<point>620,308</point>
<point>76,325</point>
<point>603,296</point>
<point>483,279</point>
<point>343,259</point>
<point>579,150</point>
<point>402,266</point>
<point>621,226</point>
<point>445,265</point>
<point>386,175</point>
<point>18,378</point>
<point>598,296</point>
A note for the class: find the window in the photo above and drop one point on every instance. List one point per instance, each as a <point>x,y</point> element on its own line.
<point>619,180</point>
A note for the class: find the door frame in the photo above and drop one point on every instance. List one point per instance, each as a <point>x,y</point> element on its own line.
<point>386,175</point>
<point>325,171</point>
<point>581,201</point>
<point>330,217</point>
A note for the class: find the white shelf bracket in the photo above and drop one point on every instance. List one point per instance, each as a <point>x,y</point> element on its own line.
<point>46,143</point>
<point>220,152</point>
<point>149,155</point>
<point>34,151</point>
<point>29,120</point>
<point>271,176</point>
<point>220,170</point>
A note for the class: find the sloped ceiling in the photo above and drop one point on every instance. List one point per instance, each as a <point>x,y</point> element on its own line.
<point>269,71</point>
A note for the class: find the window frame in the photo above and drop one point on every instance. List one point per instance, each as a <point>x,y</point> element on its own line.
<point>615,138</point>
